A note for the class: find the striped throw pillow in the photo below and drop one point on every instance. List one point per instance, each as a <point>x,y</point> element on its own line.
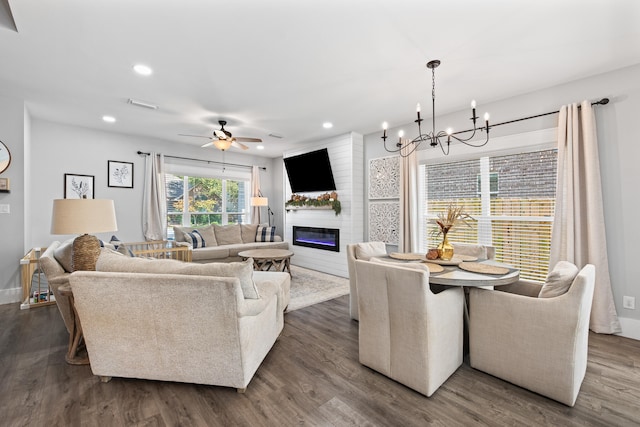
<point>195,239</point>
<point>266,234</point>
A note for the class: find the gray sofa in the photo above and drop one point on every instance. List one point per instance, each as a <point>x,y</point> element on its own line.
<point>222,243</point>
<point>174,321</point>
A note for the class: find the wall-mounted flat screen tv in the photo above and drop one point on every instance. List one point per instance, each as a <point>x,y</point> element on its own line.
<point>310,172</point>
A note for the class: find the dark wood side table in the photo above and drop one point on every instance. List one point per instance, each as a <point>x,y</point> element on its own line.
<point>75,335</point>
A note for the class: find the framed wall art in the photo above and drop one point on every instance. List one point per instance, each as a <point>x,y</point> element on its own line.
<point>384,222</point>
<point>384,178</point>
<point>79,186</point>
<point>4,185</point>
<point>120,174</point>
<point>5,157</point>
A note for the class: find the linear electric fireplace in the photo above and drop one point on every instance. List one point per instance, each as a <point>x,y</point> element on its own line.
<point>327,239</point>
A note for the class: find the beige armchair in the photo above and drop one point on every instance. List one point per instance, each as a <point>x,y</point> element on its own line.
<point>536,343</point>
<point>406,332</point>
<point>363,251</point>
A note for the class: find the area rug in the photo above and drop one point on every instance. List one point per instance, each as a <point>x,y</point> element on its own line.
<point>309,287</point>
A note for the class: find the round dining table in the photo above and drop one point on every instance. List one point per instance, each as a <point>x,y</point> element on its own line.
<point>456,272</point>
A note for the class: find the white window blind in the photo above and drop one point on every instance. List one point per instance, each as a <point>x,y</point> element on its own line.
<point>511,199</point>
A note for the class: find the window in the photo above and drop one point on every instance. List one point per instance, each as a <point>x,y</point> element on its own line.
<point>514,213</point>
<point>493,184</point>
<point>198,201</point>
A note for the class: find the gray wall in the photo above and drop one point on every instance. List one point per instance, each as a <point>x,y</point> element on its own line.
<point>12,225</point>
<point>60,149</point>
<point>618,136</point>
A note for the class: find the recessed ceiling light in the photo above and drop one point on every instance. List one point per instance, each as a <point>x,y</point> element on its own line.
<point>327,125</point>
<point>142,69</point>
<point>260,147</point>
<point>109,119</point>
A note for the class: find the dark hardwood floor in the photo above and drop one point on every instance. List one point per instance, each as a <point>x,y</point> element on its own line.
<point>311,377</point>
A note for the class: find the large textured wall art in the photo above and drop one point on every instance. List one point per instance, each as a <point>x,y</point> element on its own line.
<point>384,222</point>
<point>384,178</point>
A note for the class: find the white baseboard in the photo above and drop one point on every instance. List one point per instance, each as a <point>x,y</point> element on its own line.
<point>630,328</point>
<point>8,296</point>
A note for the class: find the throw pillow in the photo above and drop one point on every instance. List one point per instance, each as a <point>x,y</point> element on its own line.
<point>266,234</point>
<point>113,262</point>
<point>195,239</point>
<point>104,244</point>
<point>248,232</point>
<point>559,280</point>
<point>124,250</point>
<point>228,234</point>
<point>206,232</point>
<point>64,255</point>
<point>367,250</point>
<point>115,241</point>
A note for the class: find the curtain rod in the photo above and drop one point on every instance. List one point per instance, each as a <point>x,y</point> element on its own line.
<point>207,161</point>
<point>603,101</point>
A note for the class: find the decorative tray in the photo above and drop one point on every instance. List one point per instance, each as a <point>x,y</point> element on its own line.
<point>434,268</point>
<point>407,256</point>
<point>453,261</point>
<point>477,267</point>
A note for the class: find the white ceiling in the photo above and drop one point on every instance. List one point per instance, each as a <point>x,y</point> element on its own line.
<point>286,66</point>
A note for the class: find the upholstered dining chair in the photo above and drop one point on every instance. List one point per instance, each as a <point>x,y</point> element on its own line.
<point>364,251</point>
<point>538,343</point>
<point>406,332</point>
<point>473,249</point>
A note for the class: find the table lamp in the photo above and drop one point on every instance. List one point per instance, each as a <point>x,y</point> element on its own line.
<point>83,216</point>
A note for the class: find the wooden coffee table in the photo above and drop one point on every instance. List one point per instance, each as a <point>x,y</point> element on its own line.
<point>264,259</point>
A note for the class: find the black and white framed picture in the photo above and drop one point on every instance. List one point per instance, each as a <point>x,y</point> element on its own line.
<point>79,186</point>
<point>120,174</point>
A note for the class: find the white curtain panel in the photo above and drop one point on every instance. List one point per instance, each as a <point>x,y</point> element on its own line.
<point>154,199</point>
<point>408,236</point>
<point>255,192</point>
<point>578,233</point>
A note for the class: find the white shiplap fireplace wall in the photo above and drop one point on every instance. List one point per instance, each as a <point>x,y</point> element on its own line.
<point>346,156</point>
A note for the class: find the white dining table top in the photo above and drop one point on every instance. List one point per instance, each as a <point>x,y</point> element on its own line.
<point>455,276</point>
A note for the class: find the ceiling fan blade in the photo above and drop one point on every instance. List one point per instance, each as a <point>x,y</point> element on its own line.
<point>236,144</point>
<point>208,144</point>
<point>238,138</point>
<point>196,136</point>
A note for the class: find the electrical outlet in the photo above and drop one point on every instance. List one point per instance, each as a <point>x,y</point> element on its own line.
<point>629,303</point>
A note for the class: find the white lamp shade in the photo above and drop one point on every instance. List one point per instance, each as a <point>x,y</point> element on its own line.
<point>80,216</point>
<point>259,201</point>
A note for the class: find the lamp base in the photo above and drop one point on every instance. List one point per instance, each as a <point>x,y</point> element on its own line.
<point>86,250</point>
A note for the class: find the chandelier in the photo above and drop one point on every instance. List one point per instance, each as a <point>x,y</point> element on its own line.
<point>405,146</point>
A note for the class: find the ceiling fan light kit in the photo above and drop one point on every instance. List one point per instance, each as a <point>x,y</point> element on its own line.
<point>405,147</point>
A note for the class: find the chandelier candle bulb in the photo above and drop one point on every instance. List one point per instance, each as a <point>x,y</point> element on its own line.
<point>486,121</point>
<point>385,126</point>
<point>418,110</point>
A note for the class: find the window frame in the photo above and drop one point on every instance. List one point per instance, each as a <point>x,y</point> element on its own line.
<point>225,175</point>
<point>527,142</point>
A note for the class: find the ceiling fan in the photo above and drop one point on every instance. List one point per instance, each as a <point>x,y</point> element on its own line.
<point>222,139</point>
